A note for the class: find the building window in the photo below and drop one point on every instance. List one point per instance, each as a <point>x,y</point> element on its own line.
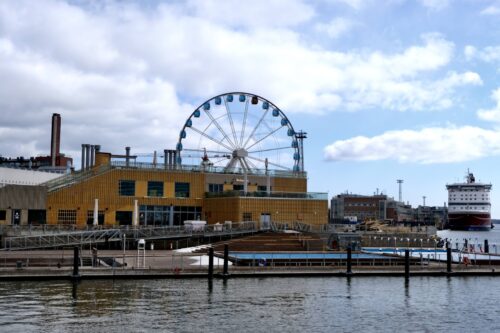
<point>127,188</point>
<point>247,217</point>
<point>215,188</point>
<point>66,216</point>
<point>100,217</point>
<point>238,187</point>
<point>124,217</point>
<point>182,190</point>
<point>36,216</point>
<point>155,189</point>
<point>262,188</point>
<point>3,215</point>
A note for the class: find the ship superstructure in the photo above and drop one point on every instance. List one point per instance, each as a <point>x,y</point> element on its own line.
<point>469,206</point>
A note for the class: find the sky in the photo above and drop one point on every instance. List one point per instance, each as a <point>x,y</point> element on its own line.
<point>386,90</point>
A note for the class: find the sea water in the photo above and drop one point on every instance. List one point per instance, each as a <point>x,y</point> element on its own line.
<point>333,304</point>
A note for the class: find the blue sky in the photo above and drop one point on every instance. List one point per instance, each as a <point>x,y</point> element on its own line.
<point>387,90</point>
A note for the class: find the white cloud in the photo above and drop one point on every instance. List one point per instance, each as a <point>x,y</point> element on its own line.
<point>491,10</point>
<point>426,146</point>
<point>124,74</point>
<point>257,13</point>
<point>336,27</point>
<point>492,114</point>
<point>355,4</point>
<point>435,4</point>
<point>490,54</point>
<point>470,52</point>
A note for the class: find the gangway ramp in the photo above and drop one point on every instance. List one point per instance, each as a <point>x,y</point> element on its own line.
<point>62,239</point>
<point>28,239</point>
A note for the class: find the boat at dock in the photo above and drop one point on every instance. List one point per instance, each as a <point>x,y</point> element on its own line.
<point>469,206</point>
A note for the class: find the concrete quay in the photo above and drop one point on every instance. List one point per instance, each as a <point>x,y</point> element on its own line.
<point>57,265</point>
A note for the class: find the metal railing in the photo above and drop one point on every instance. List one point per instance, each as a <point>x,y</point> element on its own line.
<point>62,239</point>
<point>264,194</point>
<point>56,237</point>
<point>75,178</point>
<point>208,169</point>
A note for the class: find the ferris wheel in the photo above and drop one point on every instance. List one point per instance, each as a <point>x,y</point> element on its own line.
<point>240,131</point>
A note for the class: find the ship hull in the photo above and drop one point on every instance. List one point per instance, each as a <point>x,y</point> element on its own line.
<point>469,221</point>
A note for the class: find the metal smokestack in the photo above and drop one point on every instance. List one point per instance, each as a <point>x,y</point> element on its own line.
<point>55,140</point>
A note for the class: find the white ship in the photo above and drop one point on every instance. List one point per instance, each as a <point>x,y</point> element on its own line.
<point>469,206</point>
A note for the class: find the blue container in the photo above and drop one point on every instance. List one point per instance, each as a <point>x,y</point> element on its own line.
<point>206,106</point>
<point>242,98</point>
<point>291,132</point>
<point>276,113</point>
<point>284,122</point>
<point>229,98</point>
<point>296,156</point>
<point>196,114</point>
<point>265,105</point>
<point>189,123</point>
<point>218,100</point>
<point>179,146</point>
<point>183,134</point>
<point>296,168</point>
<point>295,144</point>
<point>179,160</point>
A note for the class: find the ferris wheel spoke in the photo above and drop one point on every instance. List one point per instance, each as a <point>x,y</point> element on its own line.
<point>206,151</point>
<point>255,128</point>
<point>220,160</point>
<point>233,144</point>
<point>251,164</point>
<point>228,112</point>
<point>270,149</point>
<point>211,138</point>
<point>270,163</point>
<point>244,123</point>
<point>265,137</point>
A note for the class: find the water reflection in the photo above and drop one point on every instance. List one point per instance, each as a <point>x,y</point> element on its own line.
<point>268,304</point>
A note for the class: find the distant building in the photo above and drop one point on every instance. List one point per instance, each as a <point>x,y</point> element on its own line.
<point>381,207</point>
<point>363,207</point>
<point>56,161</point>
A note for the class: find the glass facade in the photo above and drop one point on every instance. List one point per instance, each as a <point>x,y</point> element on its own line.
<point>100,217</point>
<point>126,188</point>
<point>182,190</point>
<point>36,216</point>
<point>155,189</point>
<point>66,216</point>
<point>215,188</point>
<point>161,215</point>
<point>124,217</point>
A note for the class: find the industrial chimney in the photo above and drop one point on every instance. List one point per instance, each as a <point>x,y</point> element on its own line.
<point>55,141</point>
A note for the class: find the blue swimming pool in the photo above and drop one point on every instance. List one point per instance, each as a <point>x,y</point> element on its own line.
<point>302,256</point>
<point>402,250</point>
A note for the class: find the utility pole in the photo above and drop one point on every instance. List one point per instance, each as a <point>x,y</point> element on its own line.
<point>400,183</point>
<point>424,199</point>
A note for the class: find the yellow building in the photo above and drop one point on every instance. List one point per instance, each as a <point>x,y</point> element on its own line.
<point>164,194</point>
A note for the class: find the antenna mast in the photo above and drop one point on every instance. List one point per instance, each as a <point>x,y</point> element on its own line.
<point>400,182</point>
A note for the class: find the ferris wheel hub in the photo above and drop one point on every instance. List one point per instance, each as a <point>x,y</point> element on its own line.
<point>240,153</point>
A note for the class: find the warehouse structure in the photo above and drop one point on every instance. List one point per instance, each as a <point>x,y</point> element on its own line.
<point>247,165</point>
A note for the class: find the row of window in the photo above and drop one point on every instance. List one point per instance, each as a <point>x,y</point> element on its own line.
<point>360,204</point>
<point>219,188</point>
<point>155,189</point>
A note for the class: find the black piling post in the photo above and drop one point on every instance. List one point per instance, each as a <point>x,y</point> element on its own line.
<point>349,260</point>
<point>211,263</point>
<point>76,262</point>
<point>226,260</point>
<point>486,246</point>
<point>407,265</point>
<point>448,260</point>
